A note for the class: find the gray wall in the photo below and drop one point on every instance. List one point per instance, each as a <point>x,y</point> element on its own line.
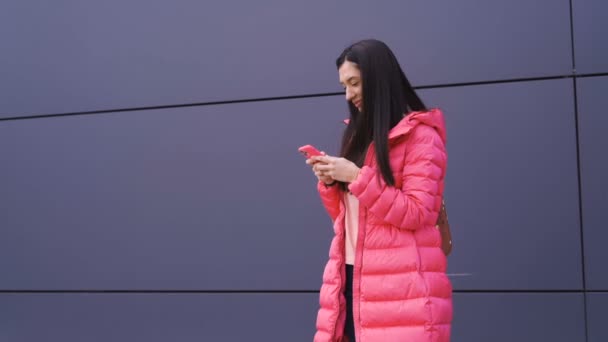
<point>150,188</point>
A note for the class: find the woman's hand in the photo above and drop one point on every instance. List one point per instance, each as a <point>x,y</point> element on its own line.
<point>339,169</point>
<point>325,178</point>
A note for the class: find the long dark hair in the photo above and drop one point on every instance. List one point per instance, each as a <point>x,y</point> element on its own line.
<point>387,96</point>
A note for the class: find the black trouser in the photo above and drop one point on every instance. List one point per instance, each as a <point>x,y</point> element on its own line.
<point>349,327</point>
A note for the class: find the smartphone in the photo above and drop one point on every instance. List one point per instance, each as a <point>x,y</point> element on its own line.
<point>309,151</point>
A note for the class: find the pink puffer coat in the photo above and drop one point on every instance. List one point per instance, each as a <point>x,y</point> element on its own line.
<point>400,289</point>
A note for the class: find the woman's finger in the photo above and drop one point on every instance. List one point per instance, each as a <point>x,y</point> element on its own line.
<point>324,167</point>
<point>323,159</point>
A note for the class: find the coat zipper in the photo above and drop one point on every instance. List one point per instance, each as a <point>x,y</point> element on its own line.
<point>362,223</point>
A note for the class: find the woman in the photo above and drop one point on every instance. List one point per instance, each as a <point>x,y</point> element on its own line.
<point>385,279</point>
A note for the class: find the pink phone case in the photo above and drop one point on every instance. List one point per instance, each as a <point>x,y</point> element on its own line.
<point>309,151</point>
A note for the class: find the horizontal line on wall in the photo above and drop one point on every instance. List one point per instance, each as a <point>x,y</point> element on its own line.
<point>257,291</point>
<point>155,291</point>
<point>521,291</point>
<point>510,80</point>
<point>198,104</point>
<point>280,98</point>
<point>599,74</point>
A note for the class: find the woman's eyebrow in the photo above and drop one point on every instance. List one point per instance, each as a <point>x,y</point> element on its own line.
<point>348,79</point>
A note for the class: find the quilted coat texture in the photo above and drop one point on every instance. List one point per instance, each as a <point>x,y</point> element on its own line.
<point>400,289</point>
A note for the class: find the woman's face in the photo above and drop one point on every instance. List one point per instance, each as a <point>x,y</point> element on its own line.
<point>350,79</point>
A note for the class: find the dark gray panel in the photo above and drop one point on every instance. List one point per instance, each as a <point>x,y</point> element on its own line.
<point>511,189</point>
<point>237,317</point>
<point>90,55</point>
<point>590,31</point>
<point>157,317</point>
<point>182,198</point>
<point>509,317</point>
<point>597,311</point>
<point>213,197</point>
<point>593,125</point>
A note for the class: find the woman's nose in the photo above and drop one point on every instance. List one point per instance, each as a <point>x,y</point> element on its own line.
<point>349,95</point>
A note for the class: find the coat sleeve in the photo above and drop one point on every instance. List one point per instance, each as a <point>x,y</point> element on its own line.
<point>415,204</point>
<point>330,196</point>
